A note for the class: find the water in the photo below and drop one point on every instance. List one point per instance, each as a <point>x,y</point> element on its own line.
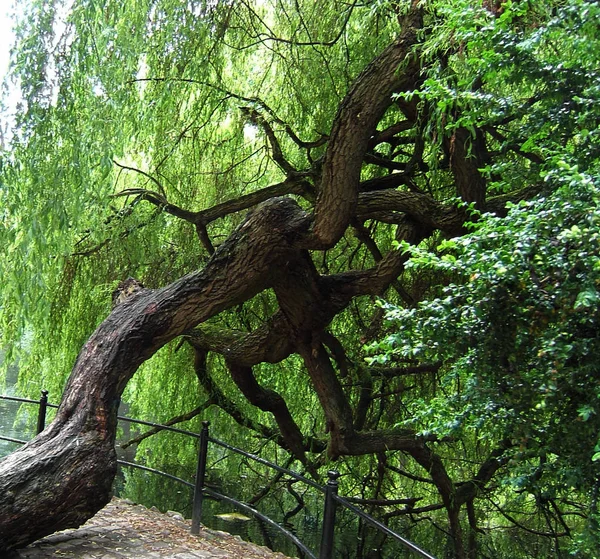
<point>15,421</point>
<point>239,480</point>
<point>8,428</point>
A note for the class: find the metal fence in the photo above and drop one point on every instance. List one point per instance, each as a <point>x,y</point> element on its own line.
<point>332,501</point>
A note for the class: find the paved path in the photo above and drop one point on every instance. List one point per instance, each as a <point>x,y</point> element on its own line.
<point>123,530</point>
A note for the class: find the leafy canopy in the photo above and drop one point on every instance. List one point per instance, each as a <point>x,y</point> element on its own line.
<point>515,322</point>
<point>134,114</point>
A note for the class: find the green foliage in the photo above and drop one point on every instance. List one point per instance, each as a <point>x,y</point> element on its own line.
<point>518,340</point>
<point>517,335</point>
<point>154,86</point>
<point>119,96</point>
<point>527,303</point>
<point>515,321</point>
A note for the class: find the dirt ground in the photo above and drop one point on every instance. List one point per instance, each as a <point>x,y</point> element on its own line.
<point>124,530</point>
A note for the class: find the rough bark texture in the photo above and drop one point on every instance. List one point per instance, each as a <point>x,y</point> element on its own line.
<point>353,128</point>
<point>64,476</point>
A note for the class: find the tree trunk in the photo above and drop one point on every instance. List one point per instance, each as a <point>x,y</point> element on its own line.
<point>64,476</point>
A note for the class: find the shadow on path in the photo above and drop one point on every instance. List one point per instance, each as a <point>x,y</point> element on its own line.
<point>123,530</point>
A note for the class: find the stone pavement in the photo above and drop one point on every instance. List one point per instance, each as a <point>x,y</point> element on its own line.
<point>123,530</point>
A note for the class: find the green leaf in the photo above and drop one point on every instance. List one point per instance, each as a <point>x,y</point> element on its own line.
<point>586,299</point>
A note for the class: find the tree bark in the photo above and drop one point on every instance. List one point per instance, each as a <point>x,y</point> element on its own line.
<point>64,476</point>
<point>355,125</point>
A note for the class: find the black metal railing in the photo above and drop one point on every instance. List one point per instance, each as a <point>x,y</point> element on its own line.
<point>330,491</point>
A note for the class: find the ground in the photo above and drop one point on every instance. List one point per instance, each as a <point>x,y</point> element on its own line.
<point>124,530</point>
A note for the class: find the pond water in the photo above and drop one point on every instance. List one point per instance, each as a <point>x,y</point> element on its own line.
<point>353,538</point>
<point>15,420</point>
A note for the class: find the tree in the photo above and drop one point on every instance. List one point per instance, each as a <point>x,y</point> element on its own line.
<point>517,336</point>
<point>514,330</point>
<point>145,131</point>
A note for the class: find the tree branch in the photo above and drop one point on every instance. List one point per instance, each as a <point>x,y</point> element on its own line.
<point>271,401</point>
<point>257,119</point>
<point>143,173</point>
<point>354,125</point>
<point>173,421</point>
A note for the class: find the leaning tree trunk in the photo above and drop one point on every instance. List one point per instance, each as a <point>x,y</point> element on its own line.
<point>64,476</point>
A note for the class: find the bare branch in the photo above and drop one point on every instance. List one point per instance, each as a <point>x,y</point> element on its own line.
<point>158,200</point>
<point>173,421</point>
<point>297,186</point>
<point>143,173</point>
<point>257,119</point>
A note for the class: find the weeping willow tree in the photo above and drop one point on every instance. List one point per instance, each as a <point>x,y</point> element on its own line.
<point>254,166</point>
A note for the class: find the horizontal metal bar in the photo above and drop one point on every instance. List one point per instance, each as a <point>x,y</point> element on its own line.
<point>11,440</point>
<point>295,475</point>
<point>247,508</point>
<point>22,400</point>
<point>382,527</point>
<point>153,471</point>
<point>26,401</point>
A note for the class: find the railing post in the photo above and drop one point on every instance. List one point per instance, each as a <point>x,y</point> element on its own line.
<point>41,422</point>
<point>200,474</point>
<point>328,530</point>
